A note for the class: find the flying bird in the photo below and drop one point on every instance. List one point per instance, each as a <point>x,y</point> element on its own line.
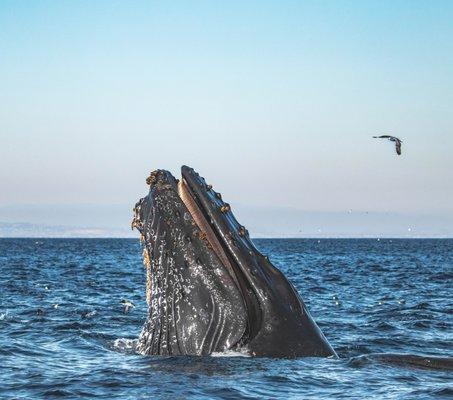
<point>392,139</point>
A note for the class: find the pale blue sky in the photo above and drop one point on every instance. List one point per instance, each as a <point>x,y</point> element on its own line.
<point>274,101</point>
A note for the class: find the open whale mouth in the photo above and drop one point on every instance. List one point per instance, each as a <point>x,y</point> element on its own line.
<point>219,228</point>
<point>204,221</point>
<point>227,238</point>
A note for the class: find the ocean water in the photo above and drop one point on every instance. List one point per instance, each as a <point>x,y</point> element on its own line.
<point>63,332</point>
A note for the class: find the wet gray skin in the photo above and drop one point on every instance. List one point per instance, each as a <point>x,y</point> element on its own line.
<point>209,289</point>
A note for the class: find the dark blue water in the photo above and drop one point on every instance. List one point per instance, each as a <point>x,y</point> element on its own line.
<point>63,332</point>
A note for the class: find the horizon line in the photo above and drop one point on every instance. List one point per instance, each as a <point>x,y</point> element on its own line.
<point>253,238</point>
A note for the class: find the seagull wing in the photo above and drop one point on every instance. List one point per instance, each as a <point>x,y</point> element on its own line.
<point>398,146</point>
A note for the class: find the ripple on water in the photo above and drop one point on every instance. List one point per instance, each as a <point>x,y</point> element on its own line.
<point>393,297</point>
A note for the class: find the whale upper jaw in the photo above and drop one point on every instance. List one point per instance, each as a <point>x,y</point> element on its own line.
<point>196,245</point>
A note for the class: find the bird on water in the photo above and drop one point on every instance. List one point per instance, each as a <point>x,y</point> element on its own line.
<point>392,139</point>
<point>128,305</point>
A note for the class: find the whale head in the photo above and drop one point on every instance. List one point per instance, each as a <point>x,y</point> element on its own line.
<point>209,288</point>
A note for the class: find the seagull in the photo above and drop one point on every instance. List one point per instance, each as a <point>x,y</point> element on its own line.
<point>392,139</point>
<point>128,305</point>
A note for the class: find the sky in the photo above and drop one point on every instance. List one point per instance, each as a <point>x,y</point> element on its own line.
<point>274,102</point>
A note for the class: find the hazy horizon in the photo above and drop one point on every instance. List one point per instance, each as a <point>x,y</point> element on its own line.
<point>271,222</point>
<point>275,103</point>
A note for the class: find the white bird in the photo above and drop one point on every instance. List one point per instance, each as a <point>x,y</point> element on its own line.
<point>128,305</point>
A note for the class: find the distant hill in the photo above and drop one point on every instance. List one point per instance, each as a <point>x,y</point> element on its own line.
<point>8,229</point>
<point>80,220</point>
<point>114,221</point>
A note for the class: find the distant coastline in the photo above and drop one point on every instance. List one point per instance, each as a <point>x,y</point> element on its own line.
<point>34,231</point>
<point>113,221</point>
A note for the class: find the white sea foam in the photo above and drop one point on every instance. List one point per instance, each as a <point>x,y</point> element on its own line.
<point>231,353</point>
<point>125,345</point>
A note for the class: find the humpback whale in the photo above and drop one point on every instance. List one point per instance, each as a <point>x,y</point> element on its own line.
<point>209,289</point>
